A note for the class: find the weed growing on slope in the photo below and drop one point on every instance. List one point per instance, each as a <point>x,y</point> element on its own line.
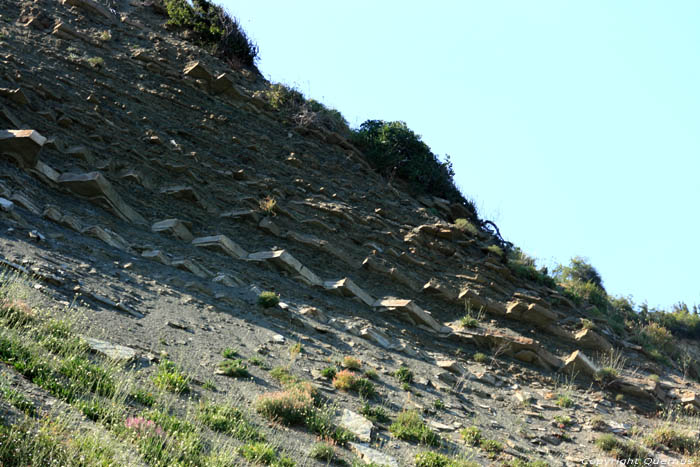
<point>409,426</point>
<point>268,299</point>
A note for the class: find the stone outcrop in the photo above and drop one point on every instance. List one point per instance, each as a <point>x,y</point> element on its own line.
<point>282,259</point>
<point>95,187</point>
<point>221,243</point>
<point>22,145</point>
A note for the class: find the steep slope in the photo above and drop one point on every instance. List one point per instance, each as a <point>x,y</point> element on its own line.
<point>147,188</point>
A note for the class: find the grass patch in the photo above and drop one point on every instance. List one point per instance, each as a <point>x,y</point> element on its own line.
<point>228,352</point>
<point>265,454</point>
<point>434,459</point>
<point>283,376</point>
<point>480,357</point>
<point>672,439</point>
<point>229,420</point>
<point>170,378</point>
<point>465,226</point>
<point>564,401</point>
<point>234,367</point>
<point>404,375</point>
<point>376,414</point>
<point>329,372</point>
<point>409,426</point>
<point>618,449</point>
<point>471,435</point>
<point>323,452</point>
<point>351,363</point>
<point>346,380</point>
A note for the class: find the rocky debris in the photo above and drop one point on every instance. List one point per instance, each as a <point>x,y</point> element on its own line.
<point>282,259</point>
<point>91,6</point>
<point>372,456</point>
<point>222,243</point>
<point>95,187</point>
<point>578,362</point>
<point>348,288</point>
<point>357,425</point>
<point>22,145</point>
<point>413,311</point>
<point>174,227</point>
<point>109,350</point>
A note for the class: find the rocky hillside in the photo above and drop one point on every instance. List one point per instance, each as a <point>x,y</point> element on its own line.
<point>192,278</point>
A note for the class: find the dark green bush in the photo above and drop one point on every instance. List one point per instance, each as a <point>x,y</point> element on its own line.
<point>579,270</point>
<point>212,27</point>
<point>394,150</point>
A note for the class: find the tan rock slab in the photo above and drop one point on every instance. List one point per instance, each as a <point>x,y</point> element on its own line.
<point>418,314</point>
<point>373,456</point>
<point>156,255</point>
<point>110,238</point>
<point>479,302</point>
<point>592,340</point>
<point>357,425</point>
<point>197,70</point>
<point>284,260</point>
<point>347,287</point>
<point>22,145</point>
<point>192,266</point>
<point>223,243</point>
<point>578,362</point>
<point>109,350</point>
<point>91,7</point>
<point>94,186</point>
<point>174,227</point>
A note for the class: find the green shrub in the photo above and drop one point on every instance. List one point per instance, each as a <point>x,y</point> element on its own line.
<point>290,407</point>
<point>564,401</point>
<point>404,375</point>
<point>229,420</point>
<point>234,367</point>
<point>579,270</point>
<point>394,150</point>
<point>620,449</point>
<point>376,414</point>
<point>268,299</point>
<point>465,226</point>
<point>171,378</point>
<point>229,353</point>
<point>471,435</point>
<point>480,357</point>
<point>524,266</point>
<point>329,372</point>
<point>409,426</point>
<point>346,380</point>
<point>265,454</point>
<point>352,363</point>
<point>674,440</point>
<point>323,452</point>
<point>212,27</point>
<point>432,459</point>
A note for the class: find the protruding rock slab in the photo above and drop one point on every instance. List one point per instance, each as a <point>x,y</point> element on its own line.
<point>113,351</point>
<point>156,255</point>
<point>22,145</point>
<point>192,266</point>
<point>478,302</point>
<point>284,260</point>
<point>372,456</point>
<point>380,338</point>
<point>347,287</point>
<point>357,425</point>
<point>223,84</point>
<point>531,313</point>
<point>592,340</point>
<point>197,71</point>
<point>577,362</point>
<point>522,348</point>
<point>174,227</point>
<point>94,186</point>
<point>110,238</point>
<point>223,243</point>
<point>414,311</point>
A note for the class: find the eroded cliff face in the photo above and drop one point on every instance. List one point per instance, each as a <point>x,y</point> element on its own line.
<point>146,190</point>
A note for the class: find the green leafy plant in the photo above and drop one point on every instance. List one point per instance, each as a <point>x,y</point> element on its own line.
<point>471,435</point>
<point>228,352</point>
<point>329,372</point>
<point>323,452</point>
<point>409,426</point>
<point>346,380</point>
<point>171,378</point>
<point>268,299</point>
<point>396,151</point>
<point>480,357</point>
<point>351,363</point>
<point>234,367</point>
<point>376,414</point>
<point>404,375</point>
<point>212,27</point>
<point>620,449</point>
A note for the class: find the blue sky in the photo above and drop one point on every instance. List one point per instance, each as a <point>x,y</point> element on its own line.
<point>574,125</point>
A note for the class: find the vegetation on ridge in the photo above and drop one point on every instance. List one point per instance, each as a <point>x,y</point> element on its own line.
<point>210,26</point>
